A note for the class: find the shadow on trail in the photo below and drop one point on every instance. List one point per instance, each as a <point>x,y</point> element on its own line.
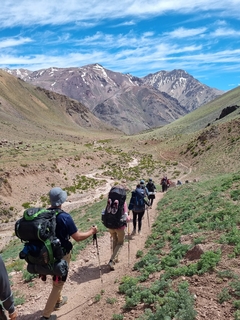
<point>88,273</point>
<point>69,312</point>
<point>33,316</point>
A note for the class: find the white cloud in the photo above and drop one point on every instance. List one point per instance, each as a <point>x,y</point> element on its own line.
<point>76,33</point>
<point>126,23</point>
<point>41,12</point>
<point>186,33</point>
<point>225,32</point>
<point>13,42</point>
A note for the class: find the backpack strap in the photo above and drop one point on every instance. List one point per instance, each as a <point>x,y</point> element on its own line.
<point>57,210</point>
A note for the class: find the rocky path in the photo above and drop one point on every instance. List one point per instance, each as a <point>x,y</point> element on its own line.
<point>87,282</point>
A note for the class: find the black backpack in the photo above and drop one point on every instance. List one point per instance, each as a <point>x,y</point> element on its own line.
<point>112,216</point>
<point>42,249</point>
<point>150,186</point>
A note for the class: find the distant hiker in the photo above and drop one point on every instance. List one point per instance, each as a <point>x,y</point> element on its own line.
<point>142,185</point>
<point>65,229</point>
<point>115,217</point>
<point>137,205</point>
<point>151,191</point>
<point>179,183</point>
<point>6,296</point>
<point>165,183</point>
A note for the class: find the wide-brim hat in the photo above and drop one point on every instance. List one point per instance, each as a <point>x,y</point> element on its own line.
<point>57,196</point>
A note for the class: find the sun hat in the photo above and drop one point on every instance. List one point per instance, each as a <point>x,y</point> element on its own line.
<point>57,196</point>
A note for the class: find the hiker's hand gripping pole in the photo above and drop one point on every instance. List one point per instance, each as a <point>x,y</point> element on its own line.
<point>99,264</point>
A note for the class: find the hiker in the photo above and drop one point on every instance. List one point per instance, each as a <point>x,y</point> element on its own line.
<point>179,183</point>
<point>65,228</point>
<point>137,205</point>
<point>142,185</point>
<point>151,191</point>
<point>165,183</point>
<point>115,217</point>
<point>6,296</point>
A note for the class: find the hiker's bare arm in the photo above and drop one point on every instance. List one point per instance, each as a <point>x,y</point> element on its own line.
<point>79,236</point>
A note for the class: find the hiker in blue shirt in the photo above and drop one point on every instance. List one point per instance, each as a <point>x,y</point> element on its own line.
<point>65,229</point>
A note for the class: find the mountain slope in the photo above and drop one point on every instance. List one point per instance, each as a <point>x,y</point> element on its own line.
<point>210,145</point>
<point>136,109</point>
<point>206,114</point>
<point>29,111</point>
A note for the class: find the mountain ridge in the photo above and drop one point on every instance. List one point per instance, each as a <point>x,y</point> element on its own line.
<point>116,98</point>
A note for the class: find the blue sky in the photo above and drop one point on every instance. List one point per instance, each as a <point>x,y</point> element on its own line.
<point>138,37</point>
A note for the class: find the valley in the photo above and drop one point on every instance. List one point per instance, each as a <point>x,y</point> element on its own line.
<point>43,146</point>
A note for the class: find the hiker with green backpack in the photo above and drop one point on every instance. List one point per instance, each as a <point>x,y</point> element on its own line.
<point>47,248</point>
<point>65,229</point>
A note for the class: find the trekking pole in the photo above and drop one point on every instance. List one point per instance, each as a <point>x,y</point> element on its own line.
<point>99,264</point>
<point>148,217</point>
<point>111,244</point>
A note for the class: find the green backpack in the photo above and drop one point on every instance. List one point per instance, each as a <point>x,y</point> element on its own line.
<point>42,249</point>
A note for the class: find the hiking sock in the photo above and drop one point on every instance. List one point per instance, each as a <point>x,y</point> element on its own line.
<point>111,264</point>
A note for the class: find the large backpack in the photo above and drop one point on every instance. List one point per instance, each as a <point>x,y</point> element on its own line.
<point>137,202</point>
<point>150,186</point>
<point>42,249</point>
<point>112,216</point>
<point>139,199</point>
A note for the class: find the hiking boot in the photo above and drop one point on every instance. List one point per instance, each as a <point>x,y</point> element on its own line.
<point>43,277</point>
<point>139,233</point>
<point>59,304</point>
<point>52,317</point>
<point>111,265</point>
<point>133,232</point>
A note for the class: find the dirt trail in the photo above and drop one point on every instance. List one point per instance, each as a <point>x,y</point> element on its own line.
<point>84,282</point>
<point>74,201</point>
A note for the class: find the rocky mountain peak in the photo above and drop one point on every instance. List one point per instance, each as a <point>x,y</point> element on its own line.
<point>190,92</point>
<point>117,98</point>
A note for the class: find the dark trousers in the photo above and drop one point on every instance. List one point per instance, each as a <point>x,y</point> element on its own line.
<point>137,217</point>
<point>151,197</point>
<point>164,187</point>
